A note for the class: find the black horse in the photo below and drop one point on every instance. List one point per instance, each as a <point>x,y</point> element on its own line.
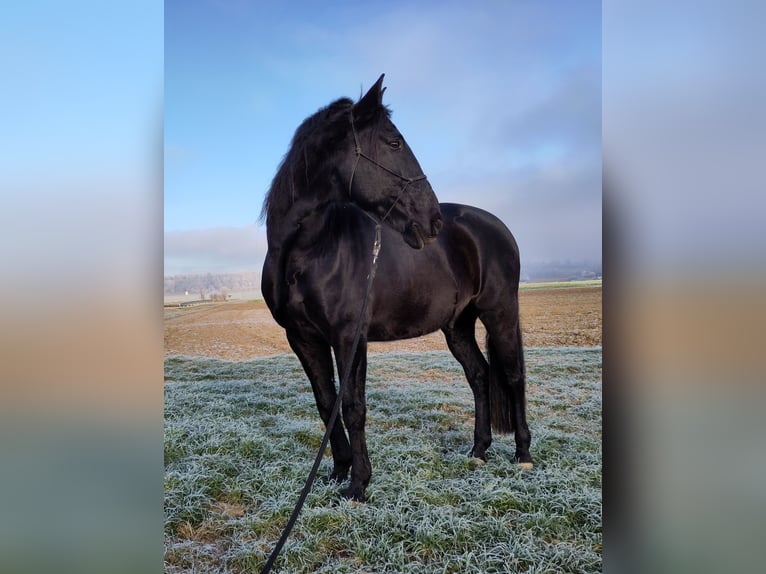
<point>440,266</point>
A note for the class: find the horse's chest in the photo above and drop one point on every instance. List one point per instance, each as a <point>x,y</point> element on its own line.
<point>414,292</point>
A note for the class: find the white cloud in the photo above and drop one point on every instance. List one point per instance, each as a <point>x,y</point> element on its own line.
<point>216,250</point>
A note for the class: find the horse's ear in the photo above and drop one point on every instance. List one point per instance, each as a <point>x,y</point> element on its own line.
<point>371,102</point>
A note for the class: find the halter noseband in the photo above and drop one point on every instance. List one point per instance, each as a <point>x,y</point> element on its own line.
<point>359,153</point>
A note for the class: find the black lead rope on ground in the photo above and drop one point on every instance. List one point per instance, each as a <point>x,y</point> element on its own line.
<point>333,416</point>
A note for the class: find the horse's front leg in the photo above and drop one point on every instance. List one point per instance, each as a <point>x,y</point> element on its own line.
<point>354,415</point>
<point>314,354</point>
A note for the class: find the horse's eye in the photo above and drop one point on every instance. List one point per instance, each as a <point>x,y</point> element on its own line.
<point>395,144</point>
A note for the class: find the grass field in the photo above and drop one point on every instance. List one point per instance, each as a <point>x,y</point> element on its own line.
<point>240,438</point>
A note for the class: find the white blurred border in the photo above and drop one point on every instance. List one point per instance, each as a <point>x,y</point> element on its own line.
<point>81,358</point>
<point>683,144</point>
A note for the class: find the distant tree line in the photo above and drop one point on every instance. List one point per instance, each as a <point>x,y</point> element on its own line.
<point>212,283</point>
<point>566,270</point>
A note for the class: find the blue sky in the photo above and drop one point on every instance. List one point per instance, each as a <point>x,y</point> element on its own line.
<point>500,101</point>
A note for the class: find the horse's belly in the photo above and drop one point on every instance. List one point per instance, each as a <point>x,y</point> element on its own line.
<point>386,333</point>
<point>408,315</point>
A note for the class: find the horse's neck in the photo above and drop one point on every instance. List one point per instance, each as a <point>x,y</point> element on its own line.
<point>283,232</point>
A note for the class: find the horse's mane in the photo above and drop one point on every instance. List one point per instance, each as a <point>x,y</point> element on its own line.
<point>311,145</point>
<point>307,147</point>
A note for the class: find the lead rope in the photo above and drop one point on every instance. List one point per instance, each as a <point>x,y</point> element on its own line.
<point>335,409</point>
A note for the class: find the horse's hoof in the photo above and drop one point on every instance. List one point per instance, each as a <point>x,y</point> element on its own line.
<point>480,456</point>
<point>353,494</point>
<point>474,462</point>
<point>526,465</point>
<point>339,475</point>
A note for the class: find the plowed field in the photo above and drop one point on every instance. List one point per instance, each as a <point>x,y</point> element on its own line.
<point>241,330</point>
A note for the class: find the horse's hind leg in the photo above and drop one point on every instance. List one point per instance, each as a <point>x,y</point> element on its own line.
<point>314,354</point>
<point>461,340</point>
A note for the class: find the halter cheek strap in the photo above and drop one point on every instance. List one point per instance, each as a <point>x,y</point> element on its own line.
<point>359,153</point>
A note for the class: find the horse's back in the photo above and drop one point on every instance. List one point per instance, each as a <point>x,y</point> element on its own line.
<point>483,228</point>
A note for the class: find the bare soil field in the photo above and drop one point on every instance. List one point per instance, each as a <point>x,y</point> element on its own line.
<point>242,330</point>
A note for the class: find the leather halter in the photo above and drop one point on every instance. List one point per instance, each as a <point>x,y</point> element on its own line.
<point>359,153</point>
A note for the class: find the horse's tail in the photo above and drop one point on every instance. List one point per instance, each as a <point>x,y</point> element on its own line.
<point>501,396</point>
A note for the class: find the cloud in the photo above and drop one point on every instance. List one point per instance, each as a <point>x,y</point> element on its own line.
<point>553,211</point>
<point>216,250</point>
<point>538,169</point>
<point>570,116</point>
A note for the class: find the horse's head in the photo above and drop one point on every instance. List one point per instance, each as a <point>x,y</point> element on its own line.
<point>385,177</point>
